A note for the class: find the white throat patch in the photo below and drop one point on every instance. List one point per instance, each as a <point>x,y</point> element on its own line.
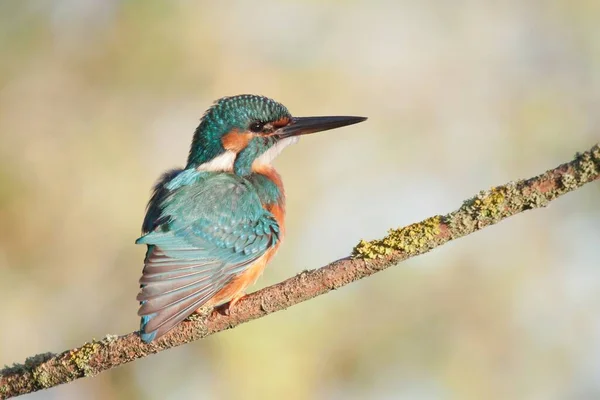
<point>275,150</point>
<point>223,162</point>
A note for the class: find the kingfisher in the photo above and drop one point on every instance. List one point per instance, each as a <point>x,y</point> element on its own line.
<point>212,227</point>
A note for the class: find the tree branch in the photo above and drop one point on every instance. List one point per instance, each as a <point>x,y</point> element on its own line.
<point>486,208</point>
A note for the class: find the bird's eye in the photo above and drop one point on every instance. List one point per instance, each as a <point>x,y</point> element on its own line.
<point>256,126</point>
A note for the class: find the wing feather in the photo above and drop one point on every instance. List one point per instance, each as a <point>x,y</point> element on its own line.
<point>212,228</point>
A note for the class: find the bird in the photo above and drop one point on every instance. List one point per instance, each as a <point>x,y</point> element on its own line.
<point>212,227</point>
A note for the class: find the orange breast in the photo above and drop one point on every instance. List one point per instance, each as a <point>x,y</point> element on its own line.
<point>277,209</point>
<point>236,287</point>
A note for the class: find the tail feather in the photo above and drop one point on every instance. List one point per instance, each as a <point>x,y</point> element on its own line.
<point>158,323</point>
<point>164,296</point>
<point>173,289</point>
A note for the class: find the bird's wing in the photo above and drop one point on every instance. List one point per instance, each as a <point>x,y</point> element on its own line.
<point>208,229</point>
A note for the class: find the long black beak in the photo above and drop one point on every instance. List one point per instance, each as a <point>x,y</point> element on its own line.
<point>306,125</point>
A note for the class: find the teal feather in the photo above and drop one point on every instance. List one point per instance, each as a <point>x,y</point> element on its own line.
<point>225,115</point>
<point>204,228</point>
<point>207,228</point>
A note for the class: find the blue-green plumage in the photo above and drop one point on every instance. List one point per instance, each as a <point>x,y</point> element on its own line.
<point>208,225</point>
<point>226,115</point>
<point>213,226</point>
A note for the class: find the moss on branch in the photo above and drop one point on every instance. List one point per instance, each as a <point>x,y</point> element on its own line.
<point>486,208</point>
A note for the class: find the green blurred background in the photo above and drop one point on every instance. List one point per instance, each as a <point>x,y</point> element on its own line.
<point>98,97</point>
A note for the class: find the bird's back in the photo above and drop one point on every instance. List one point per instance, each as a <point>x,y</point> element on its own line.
<point>203,230</point>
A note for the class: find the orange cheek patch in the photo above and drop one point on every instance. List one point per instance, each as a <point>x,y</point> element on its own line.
<point>236,141</point>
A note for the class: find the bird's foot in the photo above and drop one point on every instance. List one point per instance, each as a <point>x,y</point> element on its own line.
<point>225,309</point>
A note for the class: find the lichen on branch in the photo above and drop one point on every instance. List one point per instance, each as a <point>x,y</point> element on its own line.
<point>486,208</point>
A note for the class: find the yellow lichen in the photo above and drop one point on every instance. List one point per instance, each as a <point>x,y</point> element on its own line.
<point>569,182</point>
<point>488,203</point>
<point>412,239</point>
<point>42,377</point>
<point>488,207</point>
<point>589,163</point>
<point>81,357</point>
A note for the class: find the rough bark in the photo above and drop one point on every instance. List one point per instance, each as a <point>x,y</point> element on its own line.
<point>489,207</point>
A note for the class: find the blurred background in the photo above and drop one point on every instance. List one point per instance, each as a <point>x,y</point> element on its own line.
<point>98,97</point>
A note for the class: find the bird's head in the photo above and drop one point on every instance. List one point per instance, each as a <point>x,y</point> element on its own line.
<point>241,131</point>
